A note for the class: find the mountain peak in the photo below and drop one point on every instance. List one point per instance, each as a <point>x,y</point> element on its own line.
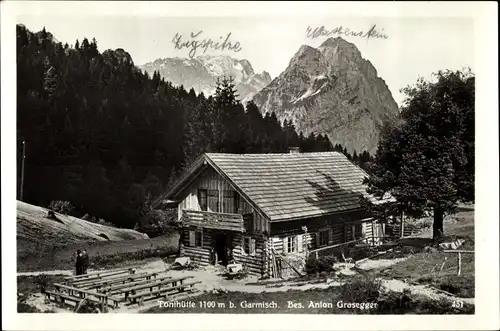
<point>334,41</point>
<point>331,89</point>
<point>305,49</point>
<point>337,42</point>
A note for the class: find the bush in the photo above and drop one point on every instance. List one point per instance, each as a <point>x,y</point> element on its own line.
<point>62,207</point>
<point>394,302</point>
<point>158,222</point>
<point>461,286</point>
<point>97,220</point>
<point>361,289</point>
<point>106,223</point>
<point>87,308</point>
<point>367,289</point>
<point>42,282</point>
<point>26,308</point>
<point>406,303</point>
<point>321,264</point>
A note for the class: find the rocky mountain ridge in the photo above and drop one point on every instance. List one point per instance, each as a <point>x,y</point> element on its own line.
<point>202,72</point>
<point>332,89</point>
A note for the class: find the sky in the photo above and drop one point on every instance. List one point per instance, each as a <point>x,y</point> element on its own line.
<point>415,47</point>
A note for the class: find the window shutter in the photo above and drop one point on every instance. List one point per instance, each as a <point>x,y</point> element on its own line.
<point>317,239</point>
<point>285,245</point>
<point>330,236</point>
<point>299,243</point>
<point>191,238</point>
<point>252,247</point>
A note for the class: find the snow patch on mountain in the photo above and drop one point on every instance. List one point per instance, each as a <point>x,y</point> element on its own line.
<point>201,73</point>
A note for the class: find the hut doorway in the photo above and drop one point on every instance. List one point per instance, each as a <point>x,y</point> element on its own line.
<point>222,248</point>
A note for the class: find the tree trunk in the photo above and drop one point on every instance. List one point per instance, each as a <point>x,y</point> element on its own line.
<point>437,225</point>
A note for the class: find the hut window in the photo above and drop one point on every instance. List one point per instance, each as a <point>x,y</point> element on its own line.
<point>196,238</point>
<point>248,222</point>
<point>202,198</point>
<point>236,202</point>
<point>291,244</point>
<point>230,202</point>
<point>213,200</point>
<point>248,245</point>
<point>357,231</point>
<point>324,237</point>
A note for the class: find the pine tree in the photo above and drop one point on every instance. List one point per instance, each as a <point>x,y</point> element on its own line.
<point>51,79</point>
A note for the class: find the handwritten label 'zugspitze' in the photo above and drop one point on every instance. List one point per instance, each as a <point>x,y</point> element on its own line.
<point>204,44</point>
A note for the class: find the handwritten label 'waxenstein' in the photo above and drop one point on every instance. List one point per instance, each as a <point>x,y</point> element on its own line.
<point>204,44</point>
<point>323,32</point>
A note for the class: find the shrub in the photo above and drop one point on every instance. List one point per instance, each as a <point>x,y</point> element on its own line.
<point>462,286</point>
<point>321,264</point>
<point>106,223</point>
<point>62,207</point>
<point>42,282</point>
<point>361,289</point>
<point>443,306</point>
<point>158,222</point>
<point>368,289</point>
<point>394,302</point>
<point>26,308</point>
<point>87,308</point>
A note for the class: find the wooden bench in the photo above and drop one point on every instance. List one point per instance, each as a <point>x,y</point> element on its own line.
<point>97,273</point>
<point>98,277</point>
<point>63,297</point>
<point>81,294</point>
<point>152,285</point>
<point>113,289</point>
<point>115,280</point>
<point>161,292</point>
<point>93,273</point>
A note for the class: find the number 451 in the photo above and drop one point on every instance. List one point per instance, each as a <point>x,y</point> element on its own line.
<point>457,304</point>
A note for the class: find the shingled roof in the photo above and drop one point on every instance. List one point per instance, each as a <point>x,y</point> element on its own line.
<point>291,186</point>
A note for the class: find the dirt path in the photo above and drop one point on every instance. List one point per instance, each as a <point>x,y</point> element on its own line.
<point>212,280</point>
<point>48,272</point>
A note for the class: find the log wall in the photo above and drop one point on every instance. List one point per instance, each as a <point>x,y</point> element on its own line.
<point>255,263</point>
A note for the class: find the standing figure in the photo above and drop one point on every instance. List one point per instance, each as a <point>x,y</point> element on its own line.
<point>79,263</point>
<point>86,261</point>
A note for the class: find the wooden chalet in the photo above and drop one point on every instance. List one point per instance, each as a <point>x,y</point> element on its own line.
<point>252,207</point>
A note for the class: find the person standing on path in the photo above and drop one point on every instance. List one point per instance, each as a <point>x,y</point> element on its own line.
<point>85,261</point>
<point>79,263</point>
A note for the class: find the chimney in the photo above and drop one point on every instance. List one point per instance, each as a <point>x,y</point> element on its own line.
<point>293,150</point>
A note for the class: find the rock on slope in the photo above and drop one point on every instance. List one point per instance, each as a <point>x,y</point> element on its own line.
<point>201,73</point>
<point>332,89</point>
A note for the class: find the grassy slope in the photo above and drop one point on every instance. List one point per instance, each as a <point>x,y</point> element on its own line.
<point>419,267</point>
<point>44,244</point>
